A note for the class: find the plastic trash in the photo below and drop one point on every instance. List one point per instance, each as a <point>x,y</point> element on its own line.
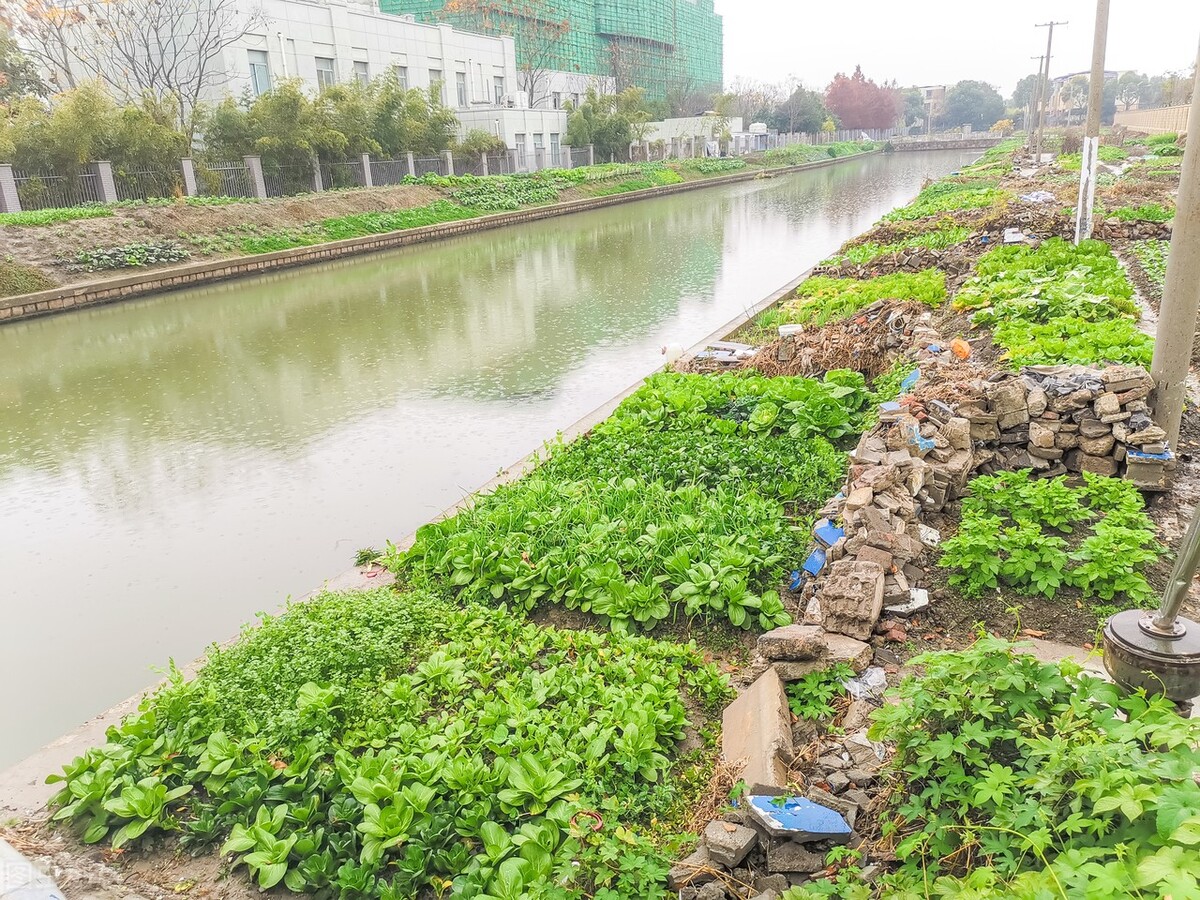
<point>1039,197</point>
<point>828,533</point>
<point>960,348</point>
<point>672,352</point>
<point>815,562</point>
<point>789,330</point>
<point>22,880</point>
<point>870,685</point>
<point>910,380</point>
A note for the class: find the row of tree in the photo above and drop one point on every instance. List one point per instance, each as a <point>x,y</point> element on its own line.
<point>287,126</point>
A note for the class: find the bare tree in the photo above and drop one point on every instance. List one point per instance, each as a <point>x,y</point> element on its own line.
<point>45,31</point>
<point>538,28</point>
<point>170,49</point>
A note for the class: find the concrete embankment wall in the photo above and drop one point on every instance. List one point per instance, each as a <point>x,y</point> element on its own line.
<point>110,290</point>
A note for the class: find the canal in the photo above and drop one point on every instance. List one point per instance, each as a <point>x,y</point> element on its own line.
<point>173,465</point>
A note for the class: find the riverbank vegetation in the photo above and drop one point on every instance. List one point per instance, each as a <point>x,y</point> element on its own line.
<point>430,740</point>
<point>206,227</point>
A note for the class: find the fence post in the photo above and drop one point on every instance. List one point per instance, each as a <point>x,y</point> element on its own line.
<point>539,158</point>
<point>104,179</point>
<point>591,154</point>
<point>448,155</point>
<point>512,159</point>
<point>412,164</point>
<point>565,151</point>
<point>483,164</point>
<point>254,167</point>
<point>368,178</point>
<point>189,176</point>
<point>318,180</point>
<point>9,201</point>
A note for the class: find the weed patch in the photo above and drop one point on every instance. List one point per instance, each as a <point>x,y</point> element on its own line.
<point>822,299</point>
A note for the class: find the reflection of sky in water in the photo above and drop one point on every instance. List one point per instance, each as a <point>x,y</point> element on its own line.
<point>170,466</point>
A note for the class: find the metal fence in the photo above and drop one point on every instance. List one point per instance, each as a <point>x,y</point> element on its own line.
<point>500,163</point>
<point>145,184</point>
<point>49,190</point>
<point>468,164</point>
<point>287,181</point>
<point>389,171</point>
<point>342,175</point>
<point>224,180</point>
<point>579,157</point>
<point>430,165</point>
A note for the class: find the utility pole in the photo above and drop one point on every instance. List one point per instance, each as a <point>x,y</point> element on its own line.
<point>1091,135</point>
<point>1030,124</point>
<point>1181,292</point>
<point>1044,97</point>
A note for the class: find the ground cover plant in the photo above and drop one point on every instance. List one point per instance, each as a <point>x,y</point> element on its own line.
<point>796,154</point>
<point>657,514</point>
<point>1146,212</point>
<point>948,235</point>
<point>1017,778</point>
<point>948,196</point>
<point>1040,536</point>
<point>709,166</point>
<point>1073,162</point>
<point>387,745</point>
<point>1153,258</point>
<point>144,253</point>
<point>35,217</point>
<point>651,178</point>
<point>822,299</point>
<point>18,279</point>
<point>812,697</point>
<point>1056,303</point>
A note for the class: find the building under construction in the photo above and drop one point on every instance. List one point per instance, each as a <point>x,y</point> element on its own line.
<point>671,48</point>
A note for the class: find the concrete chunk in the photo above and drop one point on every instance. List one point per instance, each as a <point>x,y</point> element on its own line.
<point>793,642</point>
<point>756,731</point>
<point>694,869</point>
<point>852,597</point>
<point>729,844</point>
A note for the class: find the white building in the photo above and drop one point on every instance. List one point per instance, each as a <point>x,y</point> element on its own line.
<point>326,43</point>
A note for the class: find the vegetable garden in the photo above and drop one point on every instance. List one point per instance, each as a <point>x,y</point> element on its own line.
<point>439,739</point>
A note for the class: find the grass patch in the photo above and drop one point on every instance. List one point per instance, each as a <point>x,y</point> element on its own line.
<point>822,299</point>
<point>37,217</point>
<point>16,278</point>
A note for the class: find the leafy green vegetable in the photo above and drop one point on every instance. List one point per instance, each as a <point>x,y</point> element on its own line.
<point>821,299</point>
<point>388,745</point>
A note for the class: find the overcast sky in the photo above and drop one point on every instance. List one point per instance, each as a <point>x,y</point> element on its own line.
<point>943,41</point>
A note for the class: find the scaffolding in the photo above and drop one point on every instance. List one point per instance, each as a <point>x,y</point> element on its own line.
<point>671,48</point>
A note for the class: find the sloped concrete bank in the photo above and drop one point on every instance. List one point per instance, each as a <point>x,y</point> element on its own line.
<point>111,290</point>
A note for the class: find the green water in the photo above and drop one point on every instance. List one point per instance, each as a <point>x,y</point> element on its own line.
<point>171,466</point>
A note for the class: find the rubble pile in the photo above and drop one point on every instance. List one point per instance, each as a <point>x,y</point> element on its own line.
<point>868,342</point>
<point>955,262</point>
<point>780,831</point>
<point>1055,420</point>
<point>1119,230</point>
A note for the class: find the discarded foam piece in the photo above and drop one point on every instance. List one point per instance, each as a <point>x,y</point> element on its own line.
<point>728,843</point>
<point>930,536</point>
<point>798,819</point>
<point>756,732</point>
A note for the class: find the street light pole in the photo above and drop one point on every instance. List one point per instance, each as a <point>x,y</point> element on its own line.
<point>1044,97</point>
<point>1181,292</point>
<point>1091,137</point>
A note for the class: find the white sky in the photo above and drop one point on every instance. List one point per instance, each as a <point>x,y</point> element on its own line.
<point>943,41</point>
